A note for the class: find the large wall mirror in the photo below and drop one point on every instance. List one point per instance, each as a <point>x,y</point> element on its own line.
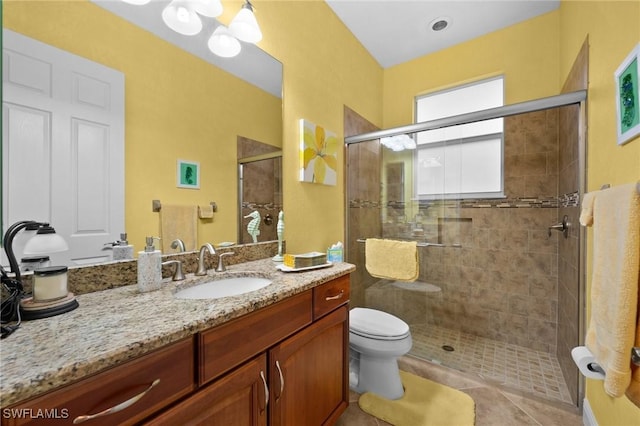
<point>181,102</point>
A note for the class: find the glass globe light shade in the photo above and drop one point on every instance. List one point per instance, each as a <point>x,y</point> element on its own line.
<point>180,16</point>
<point>244,25</point>
<point>210,8</point>
<point>45,241</point>
<point>137,2</point>
<point>223,43</point>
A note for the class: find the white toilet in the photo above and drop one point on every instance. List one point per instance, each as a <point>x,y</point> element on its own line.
<point>376,340</point>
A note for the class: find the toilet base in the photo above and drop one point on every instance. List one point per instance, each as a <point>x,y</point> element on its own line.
<point>378,375</point>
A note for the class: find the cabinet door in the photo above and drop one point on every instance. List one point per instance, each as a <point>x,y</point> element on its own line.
<point>237,399</point>
<point>309,373</point>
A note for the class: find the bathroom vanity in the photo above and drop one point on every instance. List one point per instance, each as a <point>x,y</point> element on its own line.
<point>276,356</point>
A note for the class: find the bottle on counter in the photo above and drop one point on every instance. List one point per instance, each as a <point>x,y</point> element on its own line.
<point>149,267</point>
<point>122,250</point>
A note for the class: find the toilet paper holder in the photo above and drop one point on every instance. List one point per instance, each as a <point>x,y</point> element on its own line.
<point>635,355</point>
<point>635,359</point>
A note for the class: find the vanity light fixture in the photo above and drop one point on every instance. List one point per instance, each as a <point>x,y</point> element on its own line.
<point>244,25</point>
<point>137,2</point>
<point>223,43</point>
<point>210,8</point>
<point>181,17</point>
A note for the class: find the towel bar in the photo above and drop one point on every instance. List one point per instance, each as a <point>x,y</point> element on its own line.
<point>362,240</point>
<point>606,186</point>
<point>156,206</point>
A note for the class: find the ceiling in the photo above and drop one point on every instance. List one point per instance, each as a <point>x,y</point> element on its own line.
<point>397,31</point>
<point>252,64</point>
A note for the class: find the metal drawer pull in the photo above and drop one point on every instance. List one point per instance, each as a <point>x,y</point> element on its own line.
<point>281,379</point>
<point>266,390</point>
<point>116,408</point>
<point>337,296</point>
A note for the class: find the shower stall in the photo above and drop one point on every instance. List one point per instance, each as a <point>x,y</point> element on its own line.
<point>500,287</point>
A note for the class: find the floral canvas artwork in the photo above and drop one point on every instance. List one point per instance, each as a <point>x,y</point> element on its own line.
<point>318,154</point>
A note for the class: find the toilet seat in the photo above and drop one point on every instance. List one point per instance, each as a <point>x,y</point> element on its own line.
<point>378,325</point>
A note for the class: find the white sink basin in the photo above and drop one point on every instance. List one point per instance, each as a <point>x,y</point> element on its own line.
<point>223,288</point>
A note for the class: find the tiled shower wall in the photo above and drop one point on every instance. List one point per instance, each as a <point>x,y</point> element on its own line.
<point>502,282</point>
<point>261,190</point>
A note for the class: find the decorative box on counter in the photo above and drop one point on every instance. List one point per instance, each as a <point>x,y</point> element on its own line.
<point>335,252</point>
<point>305,260</point>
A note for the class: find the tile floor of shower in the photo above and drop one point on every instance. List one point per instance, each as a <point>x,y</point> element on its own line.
<point>516,367</point>
<point>506,364</point>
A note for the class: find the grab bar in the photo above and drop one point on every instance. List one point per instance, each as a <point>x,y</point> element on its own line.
<point>362,240</point>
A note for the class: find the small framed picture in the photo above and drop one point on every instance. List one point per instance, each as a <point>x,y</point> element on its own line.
<point>627,79</point>
<point>188,174</point>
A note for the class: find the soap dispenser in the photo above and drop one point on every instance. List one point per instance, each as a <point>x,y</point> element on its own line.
<point>122,250</point>
<point>149,267</point>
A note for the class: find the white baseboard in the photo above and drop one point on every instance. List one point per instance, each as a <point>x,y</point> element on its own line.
<point>588,419</point>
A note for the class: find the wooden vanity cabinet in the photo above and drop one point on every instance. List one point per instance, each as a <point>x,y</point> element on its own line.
<point>238,398</point>
<point>171,368</point>
<point>308,373</point>
<point>285,364</point>
<point>293,354</point>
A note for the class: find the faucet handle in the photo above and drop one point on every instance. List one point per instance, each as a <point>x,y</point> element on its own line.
<point>178,275</point>
<point>221,266</point>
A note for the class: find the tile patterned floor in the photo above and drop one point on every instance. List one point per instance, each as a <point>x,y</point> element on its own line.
<point>500,363</point>
<point>495,405</point>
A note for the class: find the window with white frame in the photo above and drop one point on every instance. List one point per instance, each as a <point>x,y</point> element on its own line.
<point>463,161</point>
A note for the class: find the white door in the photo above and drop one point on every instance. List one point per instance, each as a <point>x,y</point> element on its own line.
<point>62,147</point>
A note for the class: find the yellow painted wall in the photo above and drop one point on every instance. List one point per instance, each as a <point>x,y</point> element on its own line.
<point>176,106</point>
<point>525,53</point>
<point>613,28</point>
<point>325,68</point>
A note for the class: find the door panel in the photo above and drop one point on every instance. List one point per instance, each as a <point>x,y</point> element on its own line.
<point>63,147</point>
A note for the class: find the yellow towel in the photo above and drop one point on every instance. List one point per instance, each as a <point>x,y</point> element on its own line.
<point>179,222</point>
<point>390,259</point>
<point>205,212</point>
<point>614,284</point>
<point>586,215</point>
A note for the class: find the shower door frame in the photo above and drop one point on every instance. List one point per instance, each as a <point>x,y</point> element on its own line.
<point>578,98</point>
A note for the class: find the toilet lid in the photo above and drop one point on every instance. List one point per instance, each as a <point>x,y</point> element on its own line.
<point>376,324</point>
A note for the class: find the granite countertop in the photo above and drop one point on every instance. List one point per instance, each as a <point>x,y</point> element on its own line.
<point>113,326</point>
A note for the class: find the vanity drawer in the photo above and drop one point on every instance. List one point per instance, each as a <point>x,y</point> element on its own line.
<point>330,295</point>
<point>230,344</point>
<point>170,368</point>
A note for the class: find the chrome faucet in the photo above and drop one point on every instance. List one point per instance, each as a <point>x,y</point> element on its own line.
<point>178,244</point>
<point>202,269</point>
